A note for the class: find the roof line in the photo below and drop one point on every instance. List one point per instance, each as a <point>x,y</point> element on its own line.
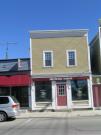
<point>61,30</point>
<point>14,59</point>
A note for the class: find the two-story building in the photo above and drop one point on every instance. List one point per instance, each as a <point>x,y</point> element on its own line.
<point>15,79</point>
<point>60,69</point>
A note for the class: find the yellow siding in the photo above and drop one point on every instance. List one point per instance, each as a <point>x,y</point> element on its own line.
<point>59,47</point>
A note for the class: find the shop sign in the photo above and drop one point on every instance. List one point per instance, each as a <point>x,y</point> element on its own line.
<point>60,78</point>
<point>68,78</point>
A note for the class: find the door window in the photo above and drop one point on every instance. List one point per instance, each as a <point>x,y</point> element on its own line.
<point>61,90</point>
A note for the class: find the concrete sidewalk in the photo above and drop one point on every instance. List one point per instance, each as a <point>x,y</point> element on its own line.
<point>81,113</point>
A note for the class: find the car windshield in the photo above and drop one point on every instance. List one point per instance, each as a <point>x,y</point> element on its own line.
<point>15,100</point>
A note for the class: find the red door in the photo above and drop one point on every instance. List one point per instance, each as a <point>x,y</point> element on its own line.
<point>61,95</point>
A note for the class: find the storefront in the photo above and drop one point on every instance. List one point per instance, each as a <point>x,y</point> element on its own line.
<point>17,86</point>
<point>62,93</point>
<point>15,79</point>
<point>20,92</point>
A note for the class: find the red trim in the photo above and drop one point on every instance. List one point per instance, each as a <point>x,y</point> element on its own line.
<point>15,80</point>
<point>60,78</point>
<point>80,78</point>
<point>41,79</point>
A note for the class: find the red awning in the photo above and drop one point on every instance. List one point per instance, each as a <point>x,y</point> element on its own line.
<point>15,80</point>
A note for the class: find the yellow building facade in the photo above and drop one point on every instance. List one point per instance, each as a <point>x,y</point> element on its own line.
<point>60,69</point>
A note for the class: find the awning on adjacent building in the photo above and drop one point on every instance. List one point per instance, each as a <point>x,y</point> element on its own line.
<point>15,80</point>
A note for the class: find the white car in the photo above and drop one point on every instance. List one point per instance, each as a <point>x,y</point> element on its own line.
<point>9,107</point>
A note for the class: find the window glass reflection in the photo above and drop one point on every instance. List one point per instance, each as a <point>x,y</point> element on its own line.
<point>79,90</point>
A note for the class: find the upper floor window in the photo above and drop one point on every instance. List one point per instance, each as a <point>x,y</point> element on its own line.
<point>47,58</point>
<point>71,58</point>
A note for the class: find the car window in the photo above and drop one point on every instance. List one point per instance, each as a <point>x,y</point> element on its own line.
<point>14,99</point>
<point>4,100</point>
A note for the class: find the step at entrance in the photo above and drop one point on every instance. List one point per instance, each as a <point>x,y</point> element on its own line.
<point>43,106</point>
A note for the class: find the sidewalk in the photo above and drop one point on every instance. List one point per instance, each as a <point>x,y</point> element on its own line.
<point>81,113</point>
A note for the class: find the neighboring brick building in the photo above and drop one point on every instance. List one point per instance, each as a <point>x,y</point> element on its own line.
<point>60,69</point>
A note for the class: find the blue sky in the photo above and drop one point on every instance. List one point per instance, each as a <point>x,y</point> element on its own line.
<point>18,17</point>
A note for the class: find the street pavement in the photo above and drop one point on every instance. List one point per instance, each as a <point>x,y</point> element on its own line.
<point>51,125</point>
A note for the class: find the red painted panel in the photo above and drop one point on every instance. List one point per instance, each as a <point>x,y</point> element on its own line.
<point>61,99</point>
<point>80,78</point>
<point>15,80</point>
<point>100,95</point>
<point>97,95</point>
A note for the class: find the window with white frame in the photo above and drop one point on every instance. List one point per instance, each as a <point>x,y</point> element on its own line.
<point>71,58</point>
<point>47,58</point>
<point>79,89</point>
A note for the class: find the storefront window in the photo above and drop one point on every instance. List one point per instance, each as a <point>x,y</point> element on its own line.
<point>43,91</point>
<point>21,94</point>
<point>4,91</point>
<point>79,90</point>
